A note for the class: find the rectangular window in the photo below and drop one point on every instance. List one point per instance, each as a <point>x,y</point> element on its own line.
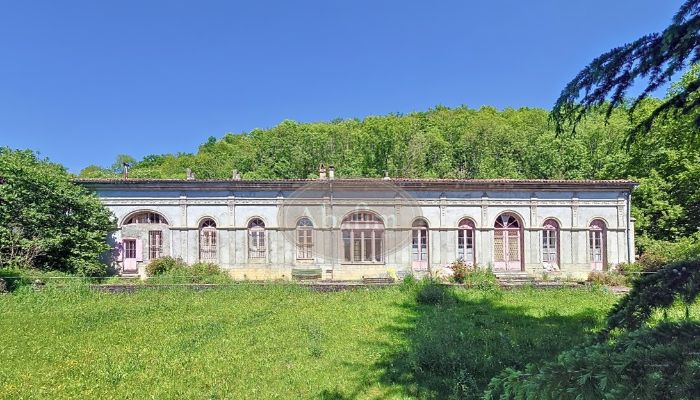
<point>155,244</point>
<point>130,249</point>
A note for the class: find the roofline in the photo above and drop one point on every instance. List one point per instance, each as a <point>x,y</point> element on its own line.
<point>403,183</point>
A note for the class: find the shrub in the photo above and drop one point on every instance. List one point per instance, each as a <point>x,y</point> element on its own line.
<point>175,271</point>
<point>459,271</point>
<point>610,278</point>
<point>409,282</point>
<point>162,265</point>
<point>431,292</point>
<point>47,222</point>
<point>652,261</point>
<point>657,363</point>
<point>480,278</point>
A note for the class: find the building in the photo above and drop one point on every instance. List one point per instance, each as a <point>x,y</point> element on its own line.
<point>347,229</point>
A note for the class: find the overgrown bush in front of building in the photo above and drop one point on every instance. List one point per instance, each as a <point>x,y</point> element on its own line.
<point>48,223</point>
<point>473,276</point>
<point>162,265</point>
<point>608,278</point>
<point>481,278</point>
<point>168,270</point>
<point>459,271</point>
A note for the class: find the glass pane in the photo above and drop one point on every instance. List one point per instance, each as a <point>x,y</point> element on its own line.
<point>367,235</point>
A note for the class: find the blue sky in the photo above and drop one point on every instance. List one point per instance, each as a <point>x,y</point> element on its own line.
<point>83,81</point>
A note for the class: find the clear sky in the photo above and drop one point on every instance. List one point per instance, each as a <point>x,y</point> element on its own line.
<point>83,81</point>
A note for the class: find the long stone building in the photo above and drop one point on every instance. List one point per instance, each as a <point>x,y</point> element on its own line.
<point>347,229</point>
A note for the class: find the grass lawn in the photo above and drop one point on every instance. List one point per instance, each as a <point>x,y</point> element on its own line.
<point>280,341</point>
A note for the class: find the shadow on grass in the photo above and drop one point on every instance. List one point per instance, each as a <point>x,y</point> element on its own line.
<point>455,342</point>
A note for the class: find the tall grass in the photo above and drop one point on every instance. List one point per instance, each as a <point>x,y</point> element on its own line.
<point>280,341</point>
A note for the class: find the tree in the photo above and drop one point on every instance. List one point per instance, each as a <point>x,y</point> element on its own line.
<point>656,58</point>
<point>46,221</point>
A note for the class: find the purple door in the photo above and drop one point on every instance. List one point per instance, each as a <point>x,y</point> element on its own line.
<point>132,253</point>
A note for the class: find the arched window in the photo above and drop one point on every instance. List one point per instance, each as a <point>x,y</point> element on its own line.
<point>419,244</point>
<point>305,239</point>
<point>146,217</point>
<point>207,241</point>
<point>596,244</point>
<point>507,243</point>
<point>466,241</point>
<point>363,238</point>
<point>550,242</point>
<point>256,239</point>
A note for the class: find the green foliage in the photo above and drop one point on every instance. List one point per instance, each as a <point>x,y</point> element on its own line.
<point>432,292</point>
<point>468,143</point>
<point>481,278</point>
<point>675,281</point>
<point>655,252</point>
<point>658,363</point>
<point>609,278</point>
<point>656,58</point>
<point>279,341</point>
<point>46,221</point>
<point>459,270</point>
<point>175,271</point>
<point>164,264</point>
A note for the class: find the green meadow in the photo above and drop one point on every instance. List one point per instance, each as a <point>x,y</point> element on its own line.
<point>282,341</point>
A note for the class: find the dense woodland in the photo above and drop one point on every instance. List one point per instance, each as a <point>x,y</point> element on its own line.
<point>466,143</point>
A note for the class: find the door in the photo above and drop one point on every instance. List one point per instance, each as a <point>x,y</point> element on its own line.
<point>507,244</point>
<point>131,253</point>
<point>419,249</point>
<point>596,249</point>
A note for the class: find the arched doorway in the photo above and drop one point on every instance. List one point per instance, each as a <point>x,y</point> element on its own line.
<point>419,245</point>
<point>207,241</point>
<point>596,245</point>
<point>466,241</point>
<point>508,243</point>
<point>363,238</point>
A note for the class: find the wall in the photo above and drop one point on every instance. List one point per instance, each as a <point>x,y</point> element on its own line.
<point>232,210</point>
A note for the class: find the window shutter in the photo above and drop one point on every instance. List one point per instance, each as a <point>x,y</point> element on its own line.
<point>139,250</point>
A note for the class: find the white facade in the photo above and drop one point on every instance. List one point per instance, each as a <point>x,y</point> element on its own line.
<point>384,245</point>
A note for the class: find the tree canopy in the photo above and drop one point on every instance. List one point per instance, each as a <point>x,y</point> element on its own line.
<point>655,58</point>
<point>46,221</point>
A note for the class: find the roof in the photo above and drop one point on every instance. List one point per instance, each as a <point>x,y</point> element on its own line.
<point>404,183</point>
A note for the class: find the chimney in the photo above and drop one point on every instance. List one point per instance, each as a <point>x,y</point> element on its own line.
<point>321,172</point>
<point>125,167</point>
<point>236,176</point>
<point>386,175</point>
<point>331,172</point>
<point>190,174</point>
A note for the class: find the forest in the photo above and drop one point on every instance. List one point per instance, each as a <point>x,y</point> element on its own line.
<point>471,143</point>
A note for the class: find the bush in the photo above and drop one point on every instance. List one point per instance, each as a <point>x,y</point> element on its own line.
<point>431,292</point>
<point>162,265</point>
<point>610,278</point>
<point>657,363</point>
<point>480,278</point>
<point>175,271</point>
<point>47,222</point>
<point>654,251</point>
<point>459,271</point>
<point>652,261</point>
